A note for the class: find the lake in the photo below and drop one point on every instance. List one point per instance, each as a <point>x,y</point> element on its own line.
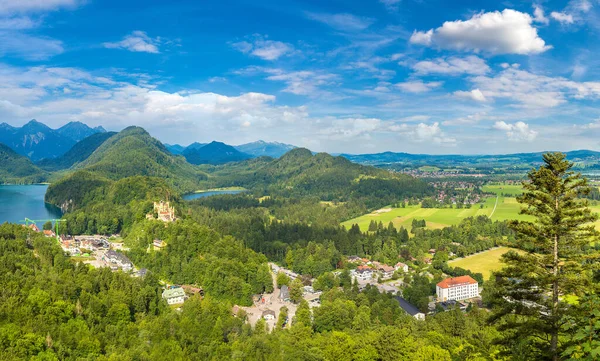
<point>20,201</point>
<point>191,196</point>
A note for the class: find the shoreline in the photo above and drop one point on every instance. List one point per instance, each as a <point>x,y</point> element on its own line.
<point>223,189</point>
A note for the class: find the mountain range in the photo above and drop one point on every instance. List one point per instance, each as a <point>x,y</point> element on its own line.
<point>582,159</point>
<point>37,141</point>
<point>255,149</point>
<point>214,153</point>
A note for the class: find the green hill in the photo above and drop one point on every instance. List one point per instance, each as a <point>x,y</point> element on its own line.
<point>130,153</point>
<point>133,152</point>
<point>299,173</point>
<point>80,152</point>
<point>15,168</point>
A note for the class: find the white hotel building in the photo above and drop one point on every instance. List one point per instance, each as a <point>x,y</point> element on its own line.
<point>457,288</point>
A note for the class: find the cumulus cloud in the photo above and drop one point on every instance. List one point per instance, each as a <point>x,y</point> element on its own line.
<point>474,94</point>
<point>137,41</point>
<point>452,66</point>
<point>263,48</point>
<point>562,17</point>
<point>532,90</point>
<point>518,131</point>
<point>418,86</point>
<point>539,16</point>
<point>343,22</point>
<point>506,32</point>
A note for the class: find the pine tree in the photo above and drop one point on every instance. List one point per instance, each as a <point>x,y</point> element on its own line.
<point>528,290</point>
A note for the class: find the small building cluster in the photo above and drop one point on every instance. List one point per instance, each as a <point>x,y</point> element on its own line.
<point>368,270</point>
<point>117,260</point>
<point>164,212</point>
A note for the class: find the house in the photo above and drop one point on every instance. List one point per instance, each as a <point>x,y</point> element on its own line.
<point>158,244</point>
<point>174,296</point>
<point>363,273</point>
<point>309,289</point>
<point>354,259</point>
<point>34,227</point>
<point>457,288</point>
<point>410,308</point>
<point>193,290</point>
<point>141,273</point>
<point>401,267</point>
<point>432,251</point>
<point>234,310</point>
<point>49,233</point>
<point>118,259</point>
<point>386,271</point>
<point>268,315</point>
<point>284,293</point>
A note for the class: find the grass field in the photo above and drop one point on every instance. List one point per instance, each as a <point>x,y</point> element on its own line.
<point>507,208</point>
<point>506,189</point>
<point>484,262</point>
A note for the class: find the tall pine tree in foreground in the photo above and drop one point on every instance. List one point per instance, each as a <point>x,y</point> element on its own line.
<point>530,290</point>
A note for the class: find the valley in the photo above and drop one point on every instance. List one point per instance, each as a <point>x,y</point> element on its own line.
<point>281,244</point>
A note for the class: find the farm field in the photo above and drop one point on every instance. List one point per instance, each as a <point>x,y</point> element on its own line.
<point>484,262</point>
<point>506,189</point>
<point>507,208</point>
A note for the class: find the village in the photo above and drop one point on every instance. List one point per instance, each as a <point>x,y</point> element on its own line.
<point>102,251</point>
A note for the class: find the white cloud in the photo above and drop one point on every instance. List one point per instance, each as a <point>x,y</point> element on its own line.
<point>534,91</point>
<point>303,82</point>
<point>518,131</point>
<point>137,41</point>
<point>18,23</point>
<point>562,18</point>
<point>538,15</point>
<point>469,119</point>
<point>452,66</point>
<point>422,38</point>
<point>263,48</point>
<point>391,5</point>
<point>418,86</point>
<point>474,94</point>
<point>28,47</point>
<point>506,32</point>
<point>24,6</point>
<point>432,133</point>
<point>343,22</point>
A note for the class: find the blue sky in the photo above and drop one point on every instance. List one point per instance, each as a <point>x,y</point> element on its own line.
<point>419,76</point>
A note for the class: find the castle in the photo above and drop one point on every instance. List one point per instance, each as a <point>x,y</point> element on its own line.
<point>165,212</point>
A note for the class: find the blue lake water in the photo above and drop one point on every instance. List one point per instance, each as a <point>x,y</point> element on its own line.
<point>190,196</point>
<point>20,201</point>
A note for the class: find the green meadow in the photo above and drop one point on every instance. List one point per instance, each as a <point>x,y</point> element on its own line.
<point>483,262</point>
<point>507,208</point>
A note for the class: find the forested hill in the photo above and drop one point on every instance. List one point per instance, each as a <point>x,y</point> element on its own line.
<point>133,152</point>
<point>300,173</point>
<point>15,168</point>
<point>80,152</point>
<point>130,153</point>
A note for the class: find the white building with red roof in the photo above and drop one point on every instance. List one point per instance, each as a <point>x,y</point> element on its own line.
<point>457,288</point>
